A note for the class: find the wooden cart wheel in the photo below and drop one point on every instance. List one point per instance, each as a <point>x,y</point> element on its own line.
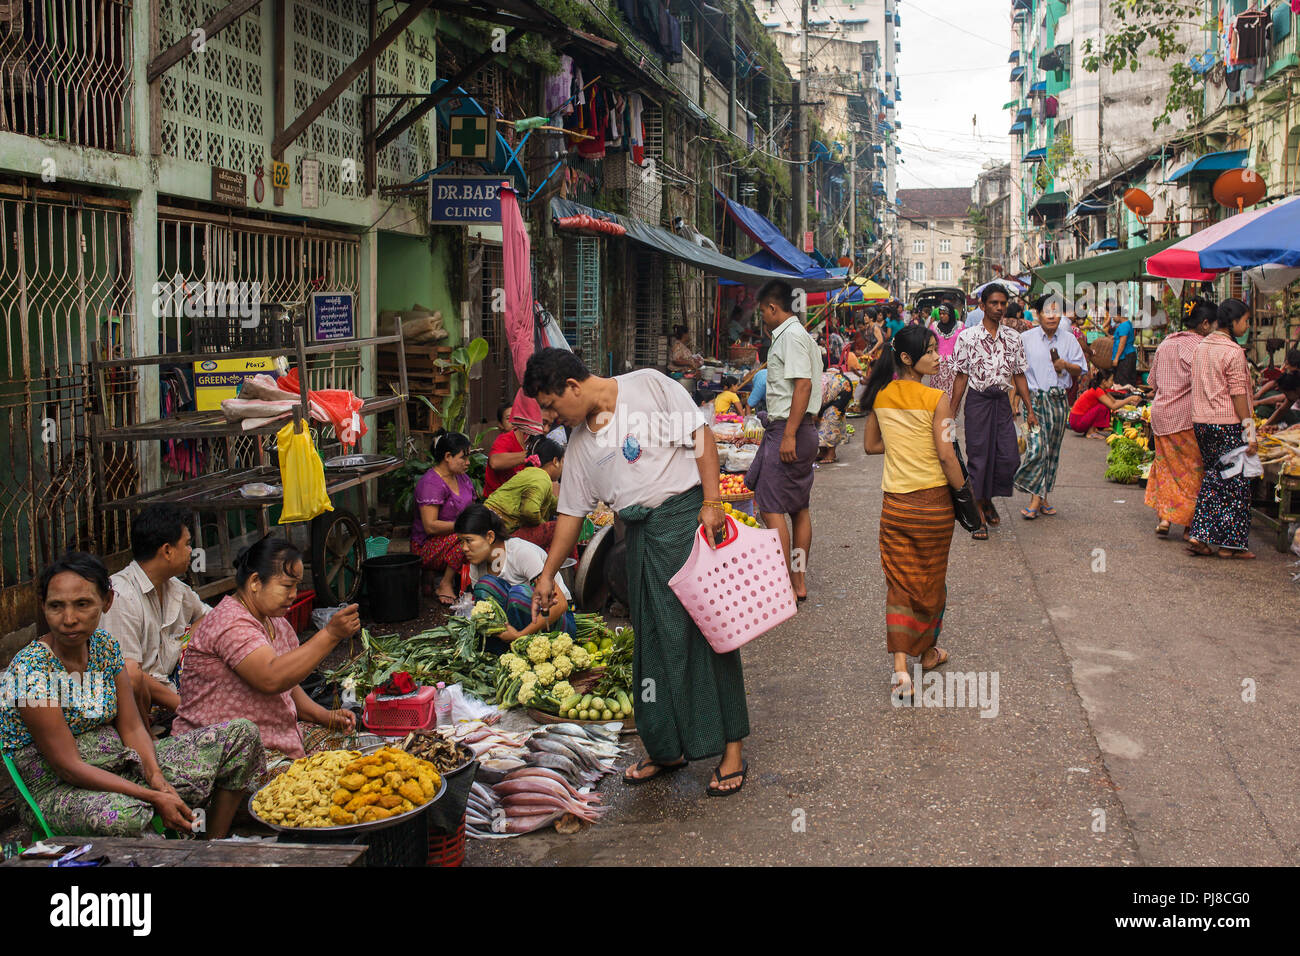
<point>338,546</point>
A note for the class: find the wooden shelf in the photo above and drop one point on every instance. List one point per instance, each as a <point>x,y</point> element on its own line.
<point>213,424</point>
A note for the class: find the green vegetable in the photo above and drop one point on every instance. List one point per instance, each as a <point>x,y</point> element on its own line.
<point>607,715</point>
<point>584,715</point>
<point>569,702</point>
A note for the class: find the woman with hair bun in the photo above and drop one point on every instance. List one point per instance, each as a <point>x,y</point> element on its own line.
<point>444,491</point>
<point>244,660</point>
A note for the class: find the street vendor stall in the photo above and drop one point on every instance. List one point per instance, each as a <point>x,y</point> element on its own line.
<point>251,480</point>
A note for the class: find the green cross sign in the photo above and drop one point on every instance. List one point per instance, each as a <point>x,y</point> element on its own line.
<point>470,138</point>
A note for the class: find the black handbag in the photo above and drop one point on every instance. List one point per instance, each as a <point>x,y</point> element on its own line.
<point>964,508</point>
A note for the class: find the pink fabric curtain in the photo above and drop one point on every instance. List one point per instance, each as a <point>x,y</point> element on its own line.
<point>516,253</point>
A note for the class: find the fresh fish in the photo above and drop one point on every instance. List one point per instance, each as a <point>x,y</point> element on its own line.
<point>561,764</point>
<point>603,732</point>
<point>556,788</point>
<point>536,802</point>
<point>546,774</point>
<point>568,730</point>
<point>553,745</point>
<point>483,792</point>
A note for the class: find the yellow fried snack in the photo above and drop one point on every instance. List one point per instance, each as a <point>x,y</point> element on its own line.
<point>340,817</point>
<point>428,784</point>
<point>372,771</point>
<point>411,791</point>
<point>352,781</point>
<point>372,813</point>
<point>308,794</point>
<point>390,802</point>
<point>393,779</point>
<point>341,796</point>
<point>361,800</point>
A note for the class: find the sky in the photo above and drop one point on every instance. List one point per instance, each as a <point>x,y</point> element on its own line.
<point>953,68</point>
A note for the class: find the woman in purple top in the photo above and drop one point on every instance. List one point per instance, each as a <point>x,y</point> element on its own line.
<point>440,496</point>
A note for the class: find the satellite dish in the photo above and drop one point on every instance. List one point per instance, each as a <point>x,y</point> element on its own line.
<point>1139,203</point>
<point>1239,188</point>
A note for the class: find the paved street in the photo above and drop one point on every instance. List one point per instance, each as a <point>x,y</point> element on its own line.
<point>1120,694</point>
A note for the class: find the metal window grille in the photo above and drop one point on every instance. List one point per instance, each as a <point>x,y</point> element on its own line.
<point>646,199</point>
<point>646,342</point>
<point>65,71</point>
<point>495,384</point>
<point>581,319</point>
<point>66,294</point>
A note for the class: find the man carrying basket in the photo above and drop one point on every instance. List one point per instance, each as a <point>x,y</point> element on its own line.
<point>641,444</point>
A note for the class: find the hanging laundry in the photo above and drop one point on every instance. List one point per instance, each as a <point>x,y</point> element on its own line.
<point>598,120</point>
<point>1251,29</point>
<point>635,129</point>
<point>559,89</point>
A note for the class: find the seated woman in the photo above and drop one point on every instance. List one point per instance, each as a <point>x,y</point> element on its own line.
<point>440,495</point>
<point>727,402</point>
<point>1090,415</point>
<point>89,762</point>
<point>837,392</point>
<point>526,503</point>
<point>681,359</point>
<point>244,660</point>
<point>504,569</point>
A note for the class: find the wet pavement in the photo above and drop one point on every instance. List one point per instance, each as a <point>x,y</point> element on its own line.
<point>1121,732</point>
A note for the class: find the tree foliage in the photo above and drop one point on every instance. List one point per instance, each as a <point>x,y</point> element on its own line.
<point>1139,29</point>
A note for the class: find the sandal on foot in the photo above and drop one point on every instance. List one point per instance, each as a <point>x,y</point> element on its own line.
<point>1047,510</point>
<point>1162,529</point>
<point>1029,514</point>
<point>939,663</point>
<point>646,762</point>
<point>902,689</point>
<point>719,778</point>
<point>1232,554</point>
<point>981,533</point>
<point>1198,550</point>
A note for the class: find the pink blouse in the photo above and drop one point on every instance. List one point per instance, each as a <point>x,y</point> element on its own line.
<point>211,690</point>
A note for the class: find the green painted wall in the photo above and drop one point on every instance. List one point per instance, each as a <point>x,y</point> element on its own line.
<point>409,274</point>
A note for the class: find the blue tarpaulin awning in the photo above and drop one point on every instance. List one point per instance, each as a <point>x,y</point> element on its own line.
<point>1035,155</point>
<point>1212,163</point>
<point>1089,206</point>
<point>1110,242</point>
<point>697,256</point>
<point>1015,57</point>
<point>878,189</point>
<point>763,232</point>
<point>1017,72</point>
<point>1024,113</point>
<point>1017,129</point>
<point>1039,87</point>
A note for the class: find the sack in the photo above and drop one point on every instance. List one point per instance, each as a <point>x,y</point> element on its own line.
<point>302,474</point>
<point>737,591</point>
<point>964,509</point>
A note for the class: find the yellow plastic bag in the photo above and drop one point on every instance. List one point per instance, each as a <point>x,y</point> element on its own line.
<point>302,474</point>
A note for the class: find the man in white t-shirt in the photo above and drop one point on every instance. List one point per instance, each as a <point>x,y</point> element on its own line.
<point>641,444</point>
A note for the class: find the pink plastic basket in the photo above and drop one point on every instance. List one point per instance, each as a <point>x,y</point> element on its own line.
<point>738,591</point>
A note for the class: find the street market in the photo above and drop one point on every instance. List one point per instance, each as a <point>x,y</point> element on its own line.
<point>418,508</point>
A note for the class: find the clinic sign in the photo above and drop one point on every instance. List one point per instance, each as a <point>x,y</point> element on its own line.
<point>464,200</point>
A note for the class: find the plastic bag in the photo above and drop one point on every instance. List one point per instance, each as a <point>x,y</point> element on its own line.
<point>466,706</point>
<point>321,616</point>
<point>303,476</point>
<point>464,606</point>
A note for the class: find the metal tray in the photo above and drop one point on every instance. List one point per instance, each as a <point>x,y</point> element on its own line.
<point>358,828</point>
<point>359,462</point>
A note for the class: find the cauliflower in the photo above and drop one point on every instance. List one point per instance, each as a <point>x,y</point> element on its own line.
<point>545,672</point>
<point>526,692</point>
<point>539,649</point>
<point>561,690</point>
<point>563,665</point>
<point>482,609</point>
<point>560,644</point>
<point>579,657</point>
<point>488,618</point>
<point>515,663</point>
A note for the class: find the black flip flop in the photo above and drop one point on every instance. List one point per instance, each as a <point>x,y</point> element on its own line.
<point>981,533</point>
<point>647,762</point>
<point>741,773</point>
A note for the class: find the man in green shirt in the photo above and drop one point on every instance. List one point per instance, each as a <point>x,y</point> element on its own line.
<point>782,472</point>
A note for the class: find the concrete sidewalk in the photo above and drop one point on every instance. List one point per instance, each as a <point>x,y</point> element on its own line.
<point>1120,735</point>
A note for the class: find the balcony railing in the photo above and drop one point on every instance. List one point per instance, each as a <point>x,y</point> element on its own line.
<point>65,71</point>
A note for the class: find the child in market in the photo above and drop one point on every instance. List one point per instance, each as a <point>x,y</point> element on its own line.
<point>727,402</point>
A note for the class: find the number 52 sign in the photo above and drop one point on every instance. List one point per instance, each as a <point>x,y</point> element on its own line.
<point>280,175</point>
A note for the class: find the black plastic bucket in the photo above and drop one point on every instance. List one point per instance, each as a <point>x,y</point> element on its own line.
<point>392,584</point>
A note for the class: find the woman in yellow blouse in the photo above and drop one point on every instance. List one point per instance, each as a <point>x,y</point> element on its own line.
<point>910,424</point>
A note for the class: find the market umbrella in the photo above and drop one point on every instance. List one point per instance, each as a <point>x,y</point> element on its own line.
<point>1010,286</point>
<point>1186,259</point>
<point>861,290</point>
<point>1272,236</point>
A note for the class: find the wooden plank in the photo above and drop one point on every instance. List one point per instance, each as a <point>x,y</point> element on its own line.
<point>348,76</point>
<point>187,358</point>
<point>186,45</point>
<point>122,851</point>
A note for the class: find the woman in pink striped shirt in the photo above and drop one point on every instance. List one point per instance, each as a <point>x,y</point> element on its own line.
<point>1175,478</point>
<point>1222,420</point>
